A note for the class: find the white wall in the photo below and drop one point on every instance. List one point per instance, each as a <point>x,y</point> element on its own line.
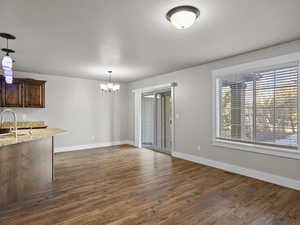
<point>78,106</point>
<point>193,103</point>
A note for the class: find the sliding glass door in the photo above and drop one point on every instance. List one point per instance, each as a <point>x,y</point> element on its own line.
<point>156,121</point>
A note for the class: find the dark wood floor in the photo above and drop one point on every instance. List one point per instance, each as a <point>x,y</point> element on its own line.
<point>129,186</point>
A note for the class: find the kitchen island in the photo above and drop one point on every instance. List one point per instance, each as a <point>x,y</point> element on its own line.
<point>26,164</point>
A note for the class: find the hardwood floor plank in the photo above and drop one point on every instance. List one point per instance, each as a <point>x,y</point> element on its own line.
<point>128,186</point>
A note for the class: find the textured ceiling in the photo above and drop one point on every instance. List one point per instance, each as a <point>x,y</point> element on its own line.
<point>133,38</point>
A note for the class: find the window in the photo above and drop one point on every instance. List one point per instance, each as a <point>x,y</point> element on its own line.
<point>258,106</point>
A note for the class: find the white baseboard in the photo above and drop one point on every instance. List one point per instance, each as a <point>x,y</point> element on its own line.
<point>271,178</point>
<point>90,146</point>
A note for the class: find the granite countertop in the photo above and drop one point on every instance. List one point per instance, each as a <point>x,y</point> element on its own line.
<point>24,124</point>
<point>24,135</point>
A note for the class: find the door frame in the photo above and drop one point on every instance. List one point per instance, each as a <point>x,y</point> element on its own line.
<point>159,145</point>
<point>138,112</point>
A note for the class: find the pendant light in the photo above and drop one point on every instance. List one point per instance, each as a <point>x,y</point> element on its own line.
<point>109,86</point>
<point>183,17</point>
<point>7,61</point>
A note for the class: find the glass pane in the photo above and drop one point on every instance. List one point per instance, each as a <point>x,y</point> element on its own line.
<point>285,136</point>
<point>236,113</point>
<point>265,117</point>
<point>275,110</point>
<point>264,134</point>
<point>286,118</point>
<point>226,122</point>
<point>265,98</point>
<point>148,110</point>
<point>247,127</point>
<point>265,80</point>
<point>286,97</point>
<point>286,126</point>
<point>286,77</point>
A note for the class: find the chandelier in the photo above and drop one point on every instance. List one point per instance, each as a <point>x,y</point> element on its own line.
<point>109,86</point>
<point>7,61</point>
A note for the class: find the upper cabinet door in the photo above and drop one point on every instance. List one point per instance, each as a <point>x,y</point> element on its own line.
<point>12,94</point>
<point>34,93</point>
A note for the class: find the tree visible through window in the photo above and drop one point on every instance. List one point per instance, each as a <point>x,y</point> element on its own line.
<point>260,107</point>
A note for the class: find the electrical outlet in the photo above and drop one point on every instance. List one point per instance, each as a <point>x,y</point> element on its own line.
<point>199,148</point>
<point>93,138</point>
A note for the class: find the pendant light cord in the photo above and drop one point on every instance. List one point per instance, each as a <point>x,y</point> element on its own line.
<point>7,46</point>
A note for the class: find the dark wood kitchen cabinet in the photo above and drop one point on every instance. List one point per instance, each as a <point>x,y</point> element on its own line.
<point>12,94</point>
<point>22,93</point>
<point>34,94</point>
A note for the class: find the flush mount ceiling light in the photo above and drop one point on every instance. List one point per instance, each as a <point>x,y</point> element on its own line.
<point>183,17</point>
<point>109,86</point>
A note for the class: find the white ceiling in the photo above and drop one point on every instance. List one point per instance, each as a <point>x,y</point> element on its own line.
<point>85,38</point>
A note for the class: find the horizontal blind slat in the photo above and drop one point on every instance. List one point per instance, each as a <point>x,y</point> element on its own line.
<point>275,109</point>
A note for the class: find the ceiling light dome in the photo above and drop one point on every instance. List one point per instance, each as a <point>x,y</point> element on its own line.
<point>183,17</point>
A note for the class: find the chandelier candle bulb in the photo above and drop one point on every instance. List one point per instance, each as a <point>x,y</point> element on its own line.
<point>103,87</point>
<point>116,87</point>
<point>110,85</point>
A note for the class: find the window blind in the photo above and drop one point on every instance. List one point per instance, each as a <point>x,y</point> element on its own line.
<point>260,107</point>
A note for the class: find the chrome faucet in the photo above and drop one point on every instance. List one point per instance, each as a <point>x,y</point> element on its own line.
<point>14,117</point>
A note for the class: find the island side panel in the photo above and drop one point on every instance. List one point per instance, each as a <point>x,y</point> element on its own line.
<point>25,170</point>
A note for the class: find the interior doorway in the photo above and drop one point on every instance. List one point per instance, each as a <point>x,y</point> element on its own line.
<point>157,120</point>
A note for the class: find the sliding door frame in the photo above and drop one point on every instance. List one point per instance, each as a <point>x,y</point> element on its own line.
<point>138,111</point>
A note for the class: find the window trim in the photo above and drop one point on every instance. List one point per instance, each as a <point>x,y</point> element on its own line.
<point>253,147</point>
<point>261,149</point>
<point>257,143</point>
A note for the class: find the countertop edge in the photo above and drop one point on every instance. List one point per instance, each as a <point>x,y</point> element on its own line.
<point>35,137</point>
